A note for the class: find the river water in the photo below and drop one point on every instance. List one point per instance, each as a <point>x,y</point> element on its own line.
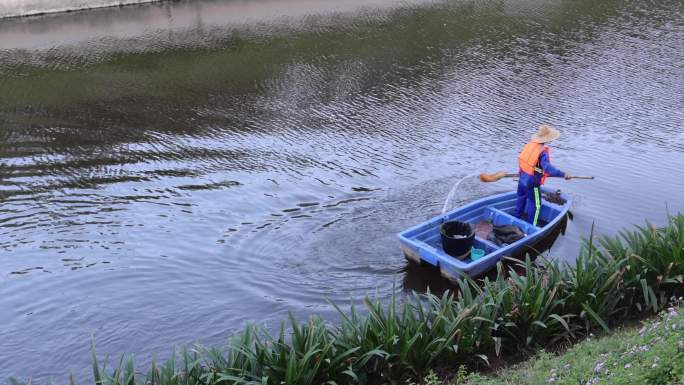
<point>170,172</point>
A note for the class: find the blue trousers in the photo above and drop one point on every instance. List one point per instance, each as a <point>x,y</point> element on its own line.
<point>529,202</point>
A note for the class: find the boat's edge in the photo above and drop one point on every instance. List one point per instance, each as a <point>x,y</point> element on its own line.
<point>474,268</point>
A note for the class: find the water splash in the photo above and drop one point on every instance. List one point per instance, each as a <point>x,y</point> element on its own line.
<point>453,191</point>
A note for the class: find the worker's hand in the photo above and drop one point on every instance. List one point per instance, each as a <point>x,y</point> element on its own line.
<point>568,176</point>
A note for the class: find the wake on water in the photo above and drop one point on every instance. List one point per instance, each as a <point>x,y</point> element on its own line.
<point>469,188</point>
<point>453,191</point>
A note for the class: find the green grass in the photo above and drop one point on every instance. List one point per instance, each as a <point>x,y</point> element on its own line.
<point>633,275</point>
<point>653,354</point>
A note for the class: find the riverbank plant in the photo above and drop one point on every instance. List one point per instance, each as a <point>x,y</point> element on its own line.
<point>524,309</point>
<point>650,354</point>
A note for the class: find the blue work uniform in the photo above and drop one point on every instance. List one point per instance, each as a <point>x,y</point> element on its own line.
<point>529,195</point>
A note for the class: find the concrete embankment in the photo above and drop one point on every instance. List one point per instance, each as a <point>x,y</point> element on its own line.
<point>15,8</point>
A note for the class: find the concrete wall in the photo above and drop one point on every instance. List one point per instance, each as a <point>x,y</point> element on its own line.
<point>13,8</point>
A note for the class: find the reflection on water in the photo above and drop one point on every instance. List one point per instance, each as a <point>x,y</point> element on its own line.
<point>188,24</point>
<point>169,172</point>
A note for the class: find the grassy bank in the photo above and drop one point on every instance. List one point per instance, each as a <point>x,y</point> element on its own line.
<point>652,354</point>
<point>613,279</point>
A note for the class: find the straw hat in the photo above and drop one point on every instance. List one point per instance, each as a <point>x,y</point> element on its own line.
<point>545,134</point>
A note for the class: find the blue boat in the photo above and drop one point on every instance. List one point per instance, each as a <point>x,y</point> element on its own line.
<point>423,242</point>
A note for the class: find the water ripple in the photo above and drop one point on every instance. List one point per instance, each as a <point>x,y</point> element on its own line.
<point>178,171</point>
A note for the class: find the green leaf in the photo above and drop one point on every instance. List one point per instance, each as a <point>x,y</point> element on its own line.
<point>595,316</point>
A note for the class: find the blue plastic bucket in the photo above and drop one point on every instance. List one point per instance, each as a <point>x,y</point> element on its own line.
<point>476,254</point>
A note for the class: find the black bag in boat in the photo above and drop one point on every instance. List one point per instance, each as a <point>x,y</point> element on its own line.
<point>507,234</point>
<point>554,197</point>
<point>457,238</point>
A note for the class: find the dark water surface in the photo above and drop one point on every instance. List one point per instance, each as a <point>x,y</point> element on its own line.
<point>168,172</point>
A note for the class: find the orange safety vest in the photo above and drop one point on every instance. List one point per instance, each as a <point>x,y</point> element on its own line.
<point>529,159</point>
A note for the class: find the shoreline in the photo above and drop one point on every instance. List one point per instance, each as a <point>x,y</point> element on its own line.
<point>648,351</point>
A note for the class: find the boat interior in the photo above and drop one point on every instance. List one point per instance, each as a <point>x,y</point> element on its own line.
<point>499,212</point>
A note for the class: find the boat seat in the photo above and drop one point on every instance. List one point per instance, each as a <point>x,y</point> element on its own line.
<point>488,245</point>
<point>502,218</point>
<point>492,214</point>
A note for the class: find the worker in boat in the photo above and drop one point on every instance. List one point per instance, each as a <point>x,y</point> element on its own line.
<point>535,167</point>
